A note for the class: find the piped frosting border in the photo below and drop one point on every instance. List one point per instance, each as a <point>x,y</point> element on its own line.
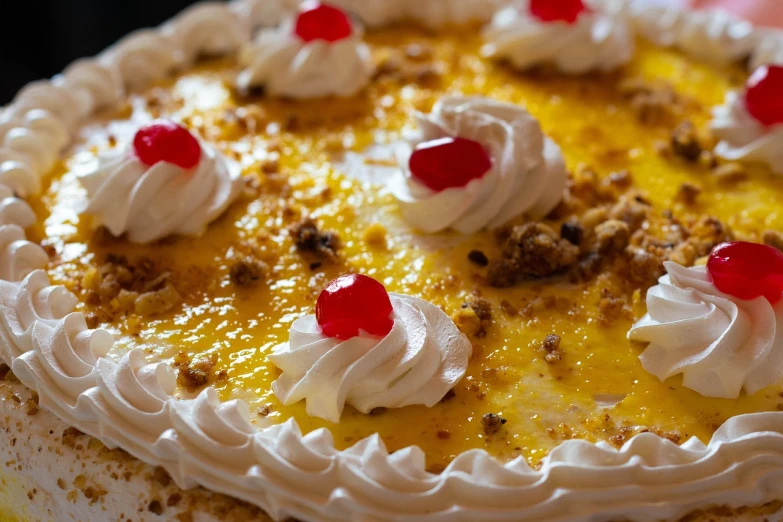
<point>205,442</point>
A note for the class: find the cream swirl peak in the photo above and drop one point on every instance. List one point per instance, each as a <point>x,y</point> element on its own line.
<point>167,184</point>
<point>714,36</point>
<point>721,344</point>
<point>430,13</point>
<point>525,175</point>
<point>208,29</point>
<point>531,33</point>
<point>752,133</point>
<point>369,349</point>
<point>318,53</point>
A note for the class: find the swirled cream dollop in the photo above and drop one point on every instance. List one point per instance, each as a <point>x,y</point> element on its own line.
<point>430,13</point>
<point>528,173</point>
<point>142,58</point>
<point>719,343</point>
<point>599,40</point>
<point>418,362</point>
<point>714,36</point>
<point>284,65</point>
<point>150,203</point>
<point>743,138</point>
<point>207,29</point>
<point>265,13</point>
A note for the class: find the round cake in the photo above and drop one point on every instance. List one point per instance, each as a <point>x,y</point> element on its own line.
<point>378,260</point>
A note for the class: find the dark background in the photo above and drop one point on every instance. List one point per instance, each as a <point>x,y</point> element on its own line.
<point>40,37</point>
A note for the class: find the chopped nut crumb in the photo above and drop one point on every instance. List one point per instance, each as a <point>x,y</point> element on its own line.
<point>612,236</point>
<point>193,375</point>
<point>492,423</point>
<point>248,272</point>
<point>685,142</point>
<point>687,193</point>
<point>532,250</point>
<point>157,302</point>
<point>467,321</point>
<point>477,257</point>
<point>155,507</point>
<point>572,232</point>
<point>308,238</point>
<point>552,348</point>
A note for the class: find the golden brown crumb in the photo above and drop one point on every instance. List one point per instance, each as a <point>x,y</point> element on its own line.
<point>492,423</point>
<point>551,346</point>
<point>193,375</point>
<point>308,238</point>
<point>248,272</point>
<point>612,236</point>
<point>655,103</point>
<point>572,232</point>
<point>532,250</point>
<point>467,321</point>
<point>687,193</point>
<point>774,239</point>
<point>620,179</point>
<point>158,301</point>
<point>685,142</point>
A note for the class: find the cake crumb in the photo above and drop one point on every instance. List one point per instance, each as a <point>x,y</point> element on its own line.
<point>467,321</point>
<point>492,423</point>
<point>308,238</point>
<point>193,375</point>
<point>612,236</point>
<point>688,193</point>
<point>551,346</point>
<point>685,142</point>
<point>247,272</point>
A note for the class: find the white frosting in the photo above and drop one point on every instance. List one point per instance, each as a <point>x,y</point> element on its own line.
<point>528,175</point>
<point>207,29</point>
<point>143,58</point>
<point>430,13</point>
<point>35,140</point>
<point>598,40</point>
<point>200,442</point>
<point>14,211</point>
<point>150,203</point>
<point>719,343</point>
<point>769,51</point>
<point>18,257</point>
<point>284,65</point>
<point>97,84</point>
<point>743,138</point>
<point>265,13</point>
<point>714,36</point>
<point>421,359</point>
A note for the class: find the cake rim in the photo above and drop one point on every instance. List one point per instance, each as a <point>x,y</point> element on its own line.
<point>365,480</point>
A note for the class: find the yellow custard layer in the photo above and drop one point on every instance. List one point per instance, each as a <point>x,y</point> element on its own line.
<point>543,403</point>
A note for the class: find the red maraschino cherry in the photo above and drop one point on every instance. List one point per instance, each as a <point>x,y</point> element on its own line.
<point>567,11</point>
<point>764,94</point>
<point>352,303</point>
<point>317,21</point>
<point>449,162</point>
<point>747,270</point>
<point>169,142</point>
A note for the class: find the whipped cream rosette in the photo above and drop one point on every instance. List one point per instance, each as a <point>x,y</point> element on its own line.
<point>369,349</point>
<point>169,183</point>
<point>571,35</point>
<point>714,36</point>
<point>720,325</point>
<point>318,53</point>
<point>477,163</point>
<point>430,13</point>
<point>750,124</point>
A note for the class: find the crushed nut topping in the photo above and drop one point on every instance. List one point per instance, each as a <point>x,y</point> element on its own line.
<point>685,142</point>
<point>248,272</point>
<point>688,193</point>
<point>477,257</point>
<point>193,375</point>
<point>551,346</point>
<point>308,238</point>
<point>532,251</point>
<point>492,423</point>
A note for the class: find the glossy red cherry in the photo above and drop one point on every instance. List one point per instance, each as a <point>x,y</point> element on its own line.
<point>169,142</point>
<point>764,94</point>
<point>317,21</point>
<point>352,303</point>
<point>567,11</point>
<point>449,162</point>
<point>747,270</point>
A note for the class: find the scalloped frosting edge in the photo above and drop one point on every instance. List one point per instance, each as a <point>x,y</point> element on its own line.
<point>129,404</point>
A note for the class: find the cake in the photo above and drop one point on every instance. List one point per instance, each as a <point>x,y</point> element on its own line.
<point>374,260</point>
